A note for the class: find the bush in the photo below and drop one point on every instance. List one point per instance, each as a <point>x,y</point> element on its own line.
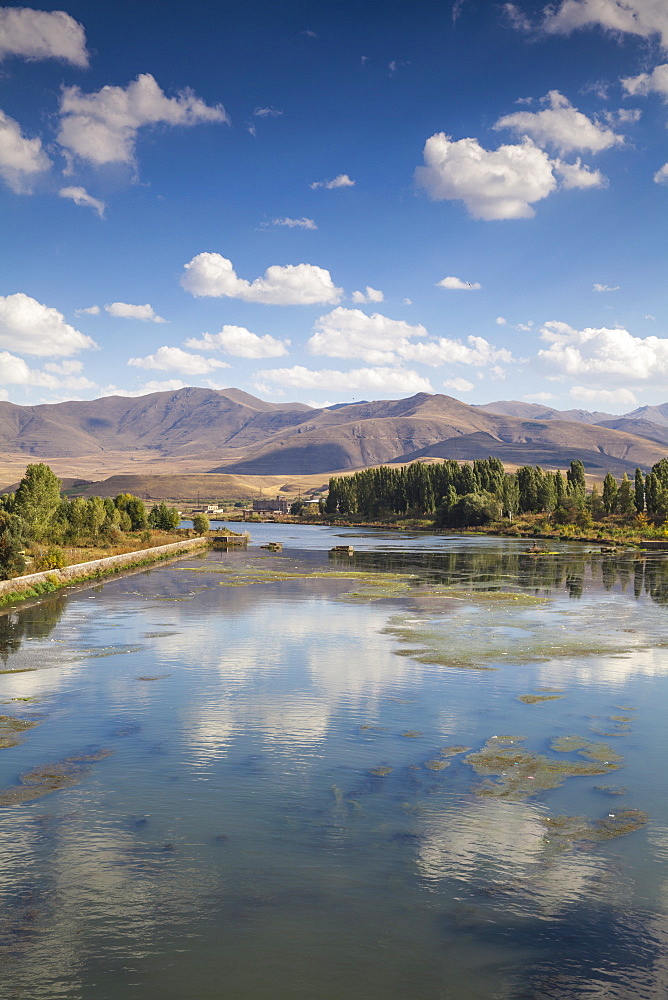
<point>51,558</point>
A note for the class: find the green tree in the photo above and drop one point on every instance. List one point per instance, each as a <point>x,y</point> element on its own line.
<point>510,496</point>
<point>12,562</point>
<point>37,499</point>
<point>473,509</point>
<point>164,518</point>
<point>609,493</point>
<point>201,524</point>
<point>136,511</point>
<point>639,490</point>
<point>625,501</point>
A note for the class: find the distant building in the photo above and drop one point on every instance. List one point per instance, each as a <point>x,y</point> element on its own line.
<point>277,506</point>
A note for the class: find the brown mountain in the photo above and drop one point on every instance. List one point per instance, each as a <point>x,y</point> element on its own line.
<point>233,433</point>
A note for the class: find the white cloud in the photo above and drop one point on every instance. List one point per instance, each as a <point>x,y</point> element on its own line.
<point>605,288</point>
<point>40,34</point>
<point>240,343</point>
<point>369,295</point>
<point>90,311</point>
<point>634,17</point>
<point>20,158</point>
<point>294,284</point>
<point>340,181</point>
<point>156,386</point>
<point>458,384</point>
<point>102,127</point>
<point>612,354</point>
<point>303,223</point>
<point>661,176</point>
<point>123,310</point>
<point>539,397</point>
<point>268,112</point>
<point>562,126</point>
<point>80,196</point>
<point>32,328</point>
<point>501,321</point>
<point>168,359</point>
<point>578,175</point>
<point>443,351</point>
<point>493,184</point>
<point>456,284</point>
<point>647,83</point>
<point>350,333</point>
<point>15,371</point>
<point>393,380</point>
<point>615,397</point>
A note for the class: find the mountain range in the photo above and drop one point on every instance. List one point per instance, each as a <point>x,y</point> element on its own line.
<point>231,432</point>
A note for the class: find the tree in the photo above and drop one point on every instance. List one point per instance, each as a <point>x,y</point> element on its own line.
<point>12,562</point>
<point>297,508</point>
<point>164,518</point>
<point>201,524</point>
<point>639,490</point>
<point>609,493</point>
<point>136,511</point>
<point>473,509</point>
<point>510,495</point>
<point>37,499</point>
<point>625,501</point>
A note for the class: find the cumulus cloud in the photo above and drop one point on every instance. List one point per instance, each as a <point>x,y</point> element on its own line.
<point>647,83</point>
<point>501,321</point>
<point>102,127</point>
<point>562,126</point>
<point>240,343</point>
<point>368,295</point>
<point>605,288</point>
<point>15,371</point>
<point>350,333</point>
<point>578,175</point>
<point>123,310</point>
<point>90,311</point>
<point>633,17</point>
<point>80,196</point>
<point>340,181</point>
<point>456,284</point>
<point>614,397</point>
<point>612,354</point>
<point>212,275</point>
<point>661,176</point>
<point>21,159</point>
<point>32,328</point>
<point>477,351</point>
<point>41,34</point>
<point>303,223</point>
<point>394,380</point>
<point>458,384</point>
<point>493,184</point>
<point>174,359</point>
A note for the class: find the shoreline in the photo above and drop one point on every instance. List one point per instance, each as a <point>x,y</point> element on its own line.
<point>36,585</point>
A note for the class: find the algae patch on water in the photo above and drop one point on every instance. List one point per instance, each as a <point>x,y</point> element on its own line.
<point>437,765</point>
<point>536,699</point>
<point>513,772</point>
<point>11,730</point>
<point>50,778</point>
<point>571,829</point>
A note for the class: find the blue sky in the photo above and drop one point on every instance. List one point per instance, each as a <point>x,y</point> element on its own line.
<point>330,202</point>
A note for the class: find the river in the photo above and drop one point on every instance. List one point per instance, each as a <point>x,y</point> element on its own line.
<point>431,770</point>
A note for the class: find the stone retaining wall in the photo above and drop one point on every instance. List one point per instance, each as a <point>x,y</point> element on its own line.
<point>98,567</point>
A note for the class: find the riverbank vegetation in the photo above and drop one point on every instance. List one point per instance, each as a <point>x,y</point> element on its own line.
<point>40,530</point>
<point>482,495</point>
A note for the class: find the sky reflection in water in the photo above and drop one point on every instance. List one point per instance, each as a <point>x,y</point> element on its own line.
<point>279,815</point>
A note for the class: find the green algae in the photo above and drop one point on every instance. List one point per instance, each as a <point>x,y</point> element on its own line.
<point>600,752</point>
<point>11,730</point>
<point>453,751</point>
<point>381,772</point>
<point>513,772</point>
<point>611,789</point>
<point>621,718</point>
<point>571,829</point>
<point>48,778</point>
<point>411,734</point>
<point>535,699</point>
<point>155,677</point>
<point>437,765</point>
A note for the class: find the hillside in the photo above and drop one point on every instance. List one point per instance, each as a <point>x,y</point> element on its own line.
<point>229,432</point>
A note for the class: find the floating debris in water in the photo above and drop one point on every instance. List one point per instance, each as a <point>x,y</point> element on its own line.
<point>453,751</point>
<point>411,734</point>
<point>536,699</point>
<point>381,772</point>
<point>11,730</point>
<point>611,789</point>
<point>437,765</point>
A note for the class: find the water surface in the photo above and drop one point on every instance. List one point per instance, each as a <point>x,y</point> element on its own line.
<point>434,769</point>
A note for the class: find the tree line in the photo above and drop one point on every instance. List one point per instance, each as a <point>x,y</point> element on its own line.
<point>459,494</point>
<point>37,513</point>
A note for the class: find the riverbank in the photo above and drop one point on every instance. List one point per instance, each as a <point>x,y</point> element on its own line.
<point>36,584</point>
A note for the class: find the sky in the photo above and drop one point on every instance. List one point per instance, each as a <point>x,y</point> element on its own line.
<point>330,202</point>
